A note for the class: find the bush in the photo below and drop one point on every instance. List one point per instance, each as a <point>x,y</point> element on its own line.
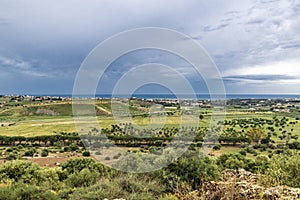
<point>262,163</point>
<point>58,145</point>
<point>84,178</point>
<point>250,150</point>
<point>86,153</point>
<point>236,161</point>
<point>193,170</point>
<point>10,149</point>
<point>73,147</point>
<point>67,149</point>
<point>30,152</point>
<point>217,147</point>
<point>284,169</point>
<point>23,171</point>
<point>117,156</point>
<point>78,164</point>
<point>243,152</point>
<point>11,156</point>
<point>127,186</point>
<point>52,178</point>
<point>25,191</point>
<point>294,145</point>
<point>44,153</point>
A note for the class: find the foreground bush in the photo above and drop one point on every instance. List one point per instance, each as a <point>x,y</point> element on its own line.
<point>127,186</point>
<point>23,191</point>
<point>75,165</point>
<point>192,170</point>
<point>284,170</point>
<point>238,161</point>
<point>20,171</point>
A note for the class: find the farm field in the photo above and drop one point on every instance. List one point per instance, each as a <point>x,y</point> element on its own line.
<point>49,118</point>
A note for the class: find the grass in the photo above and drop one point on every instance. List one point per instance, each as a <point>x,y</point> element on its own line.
<point>225,149</point>
<point>52,125</point>
<point>29,123</point>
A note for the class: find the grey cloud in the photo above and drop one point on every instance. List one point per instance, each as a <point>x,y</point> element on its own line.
<point>261,77</point>
<point>255,21</point>
<point>291,46</point>
<point>32,68</point>
<point>214,28</point>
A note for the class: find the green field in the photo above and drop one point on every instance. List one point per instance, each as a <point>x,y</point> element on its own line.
<point>48,118</point>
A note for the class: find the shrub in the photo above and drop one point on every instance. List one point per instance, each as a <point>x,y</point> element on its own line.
<point>10,149</point>
<point>84,178</point>
<point>294,145</point>
<point>73,147</point>
<point>52,178</point>
<point>78,164</point>
<point>44,153</point>
<point>86,153</point>
<point>25,191</point>
<point>250,150</point>
<point>30,152</point>
<point>23,171</point>
<point>117,156</point>
<point>58,145</point>
<point>67,148</point>
<point>262,163</point>
<point>11,156</point>
<point>243,152</point>
<point>284,169</point>
<point>193,170</point>
<point>236,161</point>
<point>127,186</point>
<point>217,147</point>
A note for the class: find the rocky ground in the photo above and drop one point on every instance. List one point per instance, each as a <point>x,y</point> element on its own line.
<point>243,185</point>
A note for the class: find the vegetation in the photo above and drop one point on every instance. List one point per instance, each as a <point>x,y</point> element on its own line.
<point>85,178</point>
<point>265,142</point>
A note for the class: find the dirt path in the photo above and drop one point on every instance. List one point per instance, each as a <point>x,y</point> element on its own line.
<point>103,109</point>
<point>64,122</point>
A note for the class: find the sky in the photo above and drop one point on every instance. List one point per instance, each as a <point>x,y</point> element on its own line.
<point>255,44</point>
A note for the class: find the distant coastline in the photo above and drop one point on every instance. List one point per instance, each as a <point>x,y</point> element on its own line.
<point>172,96</point>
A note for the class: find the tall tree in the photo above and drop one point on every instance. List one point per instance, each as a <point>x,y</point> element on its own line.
<point>256,134</point>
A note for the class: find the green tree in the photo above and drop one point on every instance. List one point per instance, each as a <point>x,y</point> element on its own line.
<point>256,134</point>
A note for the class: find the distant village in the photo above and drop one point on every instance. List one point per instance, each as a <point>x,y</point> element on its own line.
<point>258,105</point>
<point>252,105</point>
<point>21,98</point>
